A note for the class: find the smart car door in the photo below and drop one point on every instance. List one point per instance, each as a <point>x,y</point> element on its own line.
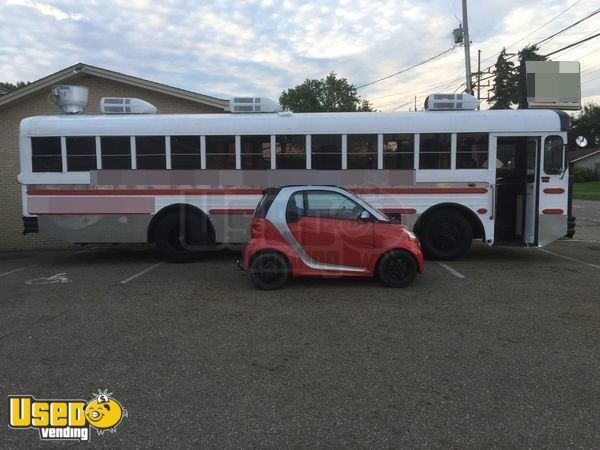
<point>330,229</point>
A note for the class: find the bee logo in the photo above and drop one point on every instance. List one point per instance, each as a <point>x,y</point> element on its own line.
<point>104,413</point>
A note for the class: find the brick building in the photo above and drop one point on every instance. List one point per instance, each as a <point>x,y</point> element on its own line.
<point>32,100</point>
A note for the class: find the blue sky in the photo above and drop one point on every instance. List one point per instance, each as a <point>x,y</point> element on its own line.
<point>262,47</point>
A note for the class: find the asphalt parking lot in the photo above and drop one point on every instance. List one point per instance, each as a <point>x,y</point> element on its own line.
<point>499,349</point>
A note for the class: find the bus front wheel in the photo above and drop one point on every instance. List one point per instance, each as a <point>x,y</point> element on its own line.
<point>182,236</point>
<point>445,235</point>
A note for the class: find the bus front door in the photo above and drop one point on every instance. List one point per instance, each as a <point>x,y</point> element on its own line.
<point>515,202</point>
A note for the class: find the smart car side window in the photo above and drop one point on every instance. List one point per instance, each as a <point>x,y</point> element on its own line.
<point>332,205</point>
<point>295,207</point>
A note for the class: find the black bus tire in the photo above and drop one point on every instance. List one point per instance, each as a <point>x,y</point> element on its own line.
<point>182,236</point>
<point>445,235</point>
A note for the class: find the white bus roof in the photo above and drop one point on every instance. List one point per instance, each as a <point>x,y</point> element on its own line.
<point>512,121</point>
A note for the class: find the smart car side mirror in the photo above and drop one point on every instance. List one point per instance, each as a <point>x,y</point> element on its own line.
<point>365,215</point>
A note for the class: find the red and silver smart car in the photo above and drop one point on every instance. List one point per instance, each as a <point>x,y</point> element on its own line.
<point>327,231</point>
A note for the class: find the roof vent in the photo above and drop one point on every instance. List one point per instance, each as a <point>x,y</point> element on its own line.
<point>70,99</point>
<point>253,105</point>
<point>119,105</point>
<point>451,102</point>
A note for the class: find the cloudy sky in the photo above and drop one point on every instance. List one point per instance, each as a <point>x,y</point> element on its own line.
<point>261,47</point>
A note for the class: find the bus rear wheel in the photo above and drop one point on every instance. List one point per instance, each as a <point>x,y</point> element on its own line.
<point>183,237</point>
<point>445,235</point>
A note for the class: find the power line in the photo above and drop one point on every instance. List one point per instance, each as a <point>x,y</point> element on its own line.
<point>568,28</point>
<point>405,70</point>
<point>546,23</point>
<point>572,45</point>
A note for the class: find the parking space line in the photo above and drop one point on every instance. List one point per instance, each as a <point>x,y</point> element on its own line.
<point>16,270</point>
<point>595,266</point>
<point>454,272</point>
<point>127,280</point>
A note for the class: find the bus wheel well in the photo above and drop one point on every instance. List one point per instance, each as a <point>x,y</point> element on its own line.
<point>184,209</point>
<point>474,221</point>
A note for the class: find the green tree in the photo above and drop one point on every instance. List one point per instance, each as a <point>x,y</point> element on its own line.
<point>587,124</point>
<point>507,89</point>
<point>529,53</point>
<point>329,94</point>
<point>7,87</point>
<point>504,73</point>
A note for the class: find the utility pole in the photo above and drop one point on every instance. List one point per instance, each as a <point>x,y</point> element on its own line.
<point>478,77</point>
<point>466,43</point>
<point>415,102</point>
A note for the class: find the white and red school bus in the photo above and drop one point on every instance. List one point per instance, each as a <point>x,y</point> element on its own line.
<point>186,182</point>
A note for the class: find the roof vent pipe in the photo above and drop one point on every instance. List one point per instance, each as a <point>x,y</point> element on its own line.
<point>70,99</point>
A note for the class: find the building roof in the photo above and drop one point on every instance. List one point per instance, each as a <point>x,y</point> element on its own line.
<point>80,68</point>
<point>582,153</point>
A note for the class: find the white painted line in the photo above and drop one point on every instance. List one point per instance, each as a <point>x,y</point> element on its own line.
<point>456,273</point>
<point>127,280</point>
<point>569,258</point>
<point>16,270</point>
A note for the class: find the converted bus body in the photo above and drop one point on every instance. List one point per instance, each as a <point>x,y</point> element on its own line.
<point>511,187</point>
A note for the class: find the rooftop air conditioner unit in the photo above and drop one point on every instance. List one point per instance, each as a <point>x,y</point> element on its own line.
<point>70,99</point>
<point>118,105</point>
<point>451,102</point>
<point>253,105</point>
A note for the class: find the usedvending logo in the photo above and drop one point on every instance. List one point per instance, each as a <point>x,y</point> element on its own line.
<point>69,420</point>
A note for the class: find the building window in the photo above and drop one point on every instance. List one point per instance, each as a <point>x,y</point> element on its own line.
<point>362,151</point>
<point>81,154</point>
<point>256,152</point>
<point>116,152</point>
<point>398,151</point>
<point>220,152</point>
<point>150,152</point>
<point>327,151</point>
<point>434,151</point>
<point>290,151</point>
<point>46,154</point>
<point>185,152</point>
<point>472,150</point>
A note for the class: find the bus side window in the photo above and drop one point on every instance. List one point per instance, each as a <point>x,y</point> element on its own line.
<point>185,152</point>
<point>81,154</point>
<point>472,150</point>
<point>290,151</point>
<point>220,152</point>
<point>150,152</point>
<point>46,154</point>
<point>256,152</point>
<point>434,151</point>
<point>327,151</point>
<point>362,151</point>
<point>116,152</point>
<point>398,151</point>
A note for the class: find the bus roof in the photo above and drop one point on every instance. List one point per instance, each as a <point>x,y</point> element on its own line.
<point>500,121</point>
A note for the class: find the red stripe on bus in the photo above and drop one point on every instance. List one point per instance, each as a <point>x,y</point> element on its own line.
<point>244,191</point>
<point>554,191</point>
<point>208,191</point>
<point>552,211</point>
<point>399,210</point>
<point>88,214</point>
<point>231,211</point>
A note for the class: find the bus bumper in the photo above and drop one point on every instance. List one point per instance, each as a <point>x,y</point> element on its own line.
<point>30,225</point>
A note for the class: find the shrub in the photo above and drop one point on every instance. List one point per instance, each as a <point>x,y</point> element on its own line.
<point>581,175</point>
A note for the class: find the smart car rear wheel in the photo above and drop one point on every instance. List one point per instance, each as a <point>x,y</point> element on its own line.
<point>397,268</point>
<point>269,270</point>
